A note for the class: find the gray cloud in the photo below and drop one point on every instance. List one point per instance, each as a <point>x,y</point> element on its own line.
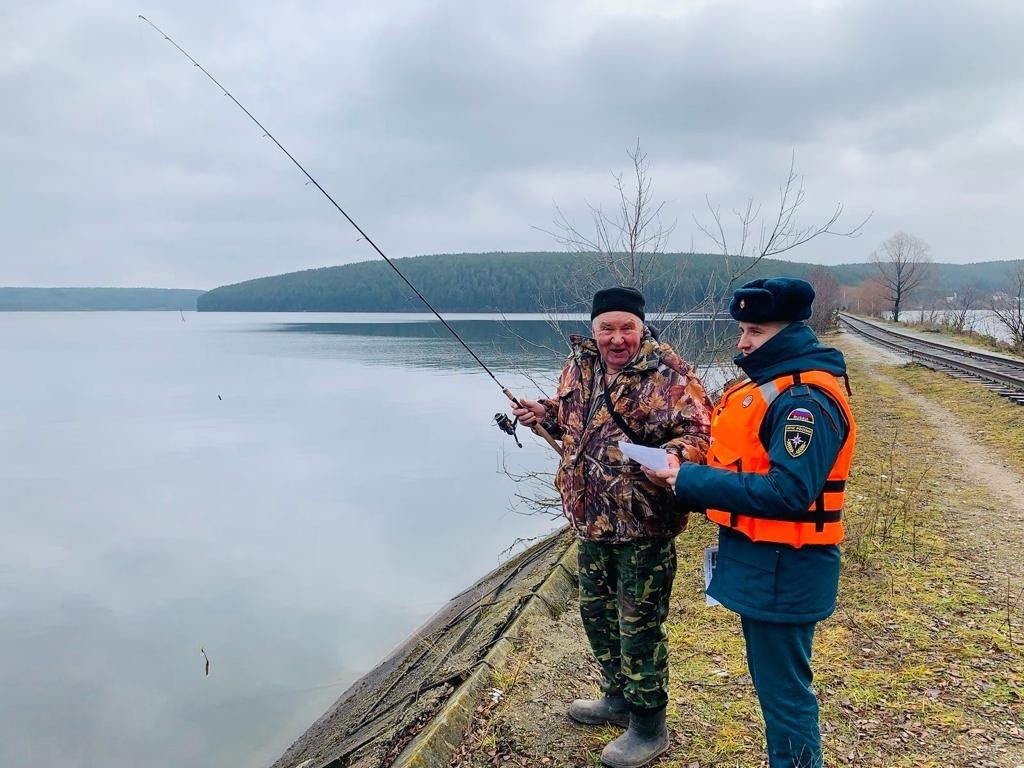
<point>456,126</point>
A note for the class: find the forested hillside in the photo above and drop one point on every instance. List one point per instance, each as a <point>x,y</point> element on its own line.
<point>943,280</point>
<point>469,282</point>
<point>522,282</point>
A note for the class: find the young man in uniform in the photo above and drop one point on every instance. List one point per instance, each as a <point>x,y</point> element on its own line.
<point>781,446</point>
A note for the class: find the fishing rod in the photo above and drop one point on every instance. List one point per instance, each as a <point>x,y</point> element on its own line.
<point>504,423</point>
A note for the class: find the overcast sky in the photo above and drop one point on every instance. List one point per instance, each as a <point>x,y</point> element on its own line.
<point>458,126</point>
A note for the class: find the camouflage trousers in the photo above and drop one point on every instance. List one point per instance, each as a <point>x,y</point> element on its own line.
<point>624,594</point>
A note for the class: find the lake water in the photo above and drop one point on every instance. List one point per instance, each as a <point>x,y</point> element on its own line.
<point>981,321</point>
<point>293,494</point>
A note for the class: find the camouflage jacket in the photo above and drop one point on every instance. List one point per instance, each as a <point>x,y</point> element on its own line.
<point>606,496</point>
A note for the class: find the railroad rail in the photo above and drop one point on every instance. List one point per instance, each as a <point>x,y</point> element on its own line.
<point>1003,375</point>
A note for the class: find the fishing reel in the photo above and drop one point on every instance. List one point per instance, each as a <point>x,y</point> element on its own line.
<point>507,425</point>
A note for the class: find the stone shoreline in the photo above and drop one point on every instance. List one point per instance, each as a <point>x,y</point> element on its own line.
<point>413,709</point>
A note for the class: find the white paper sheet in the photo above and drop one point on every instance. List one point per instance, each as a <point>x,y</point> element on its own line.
<point>652,458</point>
<point>710,563</point>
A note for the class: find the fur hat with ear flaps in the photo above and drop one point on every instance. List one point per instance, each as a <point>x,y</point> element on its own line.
<point>787,299</point>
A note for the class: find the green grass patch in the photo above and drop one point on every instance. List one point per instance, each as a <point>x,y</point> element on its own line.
<point>917,655</point>
<point>917,667</point>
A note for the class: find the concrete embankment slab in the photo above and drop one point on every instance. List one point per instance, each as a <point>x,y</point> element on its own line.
<point>412,710</point>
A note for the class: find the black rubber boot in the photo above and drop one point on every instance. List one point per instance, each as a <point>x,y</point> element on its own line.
<point>610,708</point>
<point>646,738</point>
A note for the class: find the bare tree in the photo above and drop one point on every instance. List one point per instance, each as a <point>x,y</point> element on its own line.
<point>628,245</point>
<point>931,313</point>
<point>749,236</point>
<point>868,297</point>
<point>903,264</point>
<point>621,247</point>
<point>958,317</point>
<point>1009,308</point>
<point>779,232</point>
<point>827,298</point>
<point>776,233</point>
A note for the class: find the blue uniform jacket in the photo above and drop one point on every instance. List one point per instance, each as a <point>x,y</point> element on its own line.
<point>763,580</point>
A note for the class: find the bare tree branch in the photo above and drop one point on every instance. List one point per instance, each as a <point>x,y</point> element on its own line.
<point>958,317</point>
<point>626,247</point>
<point>903,266</point>
<point>827,299</point>
<point>1008,308</point>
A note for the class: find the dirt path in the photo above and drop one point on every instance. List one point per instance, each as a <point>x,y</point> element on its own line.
<point>994,528</point>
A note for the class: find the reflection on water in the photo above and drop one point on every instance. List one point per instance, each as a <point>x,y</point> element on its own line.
<point>510,344</point>
<point>535,332</point>
<point>292,493</point>
<point>501,344</point>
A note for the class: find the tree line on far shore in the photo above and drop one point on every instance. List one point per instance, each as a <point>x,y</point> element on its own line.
<point>472,282</point>
<point>97,299</point>
<point>539,282</point>
<point>905,277</point>
<point>899,276</point>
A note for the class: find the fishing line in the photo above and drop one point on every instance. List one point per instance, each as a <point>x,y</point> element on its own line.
<point>538,429</point>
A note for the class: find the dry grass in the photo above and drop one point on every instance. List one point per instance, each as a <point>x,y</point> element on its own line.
<point>922,664</point>
<point>996,422</point>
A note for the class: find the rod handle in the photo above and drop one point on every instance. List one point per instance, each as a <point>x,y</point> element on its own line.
<point>537,428</point>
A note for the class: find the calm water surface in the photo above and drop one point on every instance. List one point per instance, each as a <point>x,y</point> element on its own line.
<point>981,321</point>
<point>294,494</point>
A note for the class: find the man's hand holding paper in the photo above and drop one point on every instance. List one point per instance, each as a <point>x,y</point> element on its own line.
<point>658,465</point>
<point>665,478</point>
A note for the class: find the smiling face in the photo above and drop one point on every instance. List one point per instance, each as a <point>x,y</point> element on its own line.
<point>753,335</point>
<point>618,337</point>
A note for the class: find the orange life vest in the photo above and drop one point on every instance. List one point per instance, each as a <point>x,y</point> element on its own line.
<point>736,445</point>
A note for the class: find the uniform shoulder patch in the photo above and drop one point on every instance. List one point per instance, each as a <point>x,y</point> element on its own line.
<point>797,437</point>
<point>801,415</point>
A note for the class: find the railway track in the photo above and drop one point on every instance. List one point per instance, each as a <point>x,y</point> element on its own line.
<point>1002,375</point>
